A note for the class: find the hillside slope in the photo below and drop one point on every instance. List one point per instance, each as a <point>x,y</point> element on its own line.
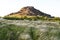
<point>29,11</point>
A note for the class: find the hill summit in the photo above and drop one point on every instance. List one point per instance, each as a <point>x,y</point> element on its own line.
<point>30,11</point>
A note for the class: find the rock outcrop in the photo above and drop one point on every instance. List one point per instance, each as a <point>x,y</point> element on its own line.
<point>30,11</point>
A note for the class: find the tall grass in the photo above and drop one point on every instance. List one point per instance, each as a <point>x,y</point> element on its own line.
<point>10,32</point>
<point>13,32</point>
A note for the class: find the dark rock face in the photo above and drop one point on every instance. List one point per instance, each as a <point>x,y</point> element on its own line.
<point>31,11</point>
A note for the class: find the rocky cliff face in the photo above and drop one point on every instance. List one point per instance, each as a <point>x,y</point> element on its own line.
<point>30,11</point>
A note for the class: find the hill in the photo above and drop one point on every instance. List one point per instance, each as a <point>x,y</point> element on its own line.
<point>29,11</point>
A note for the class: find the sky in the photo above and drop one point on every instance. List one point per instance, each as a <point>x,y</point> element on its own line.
<point>51,7</point>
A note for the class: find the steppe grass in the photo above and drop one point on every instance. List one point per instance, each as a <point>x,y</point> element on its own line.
<point>13,32</point>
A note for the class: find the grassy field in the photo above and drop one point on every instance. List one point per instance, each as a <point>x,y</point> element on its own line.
<point>29,30</point>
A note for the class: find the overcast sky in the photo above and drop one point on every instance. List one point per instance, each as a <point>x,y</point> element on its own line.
<point>51,7</point>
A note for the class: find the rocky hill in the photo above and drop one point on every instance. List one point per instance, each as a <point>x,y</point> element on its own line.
<point>30,11</point>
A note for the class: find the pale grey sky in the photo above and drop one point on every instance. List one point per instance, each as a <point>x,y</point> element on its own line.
<point>51,7</point>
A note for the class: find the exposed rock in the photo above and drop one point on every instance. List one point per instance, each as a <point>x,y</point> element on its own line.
<point>30,11</point>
